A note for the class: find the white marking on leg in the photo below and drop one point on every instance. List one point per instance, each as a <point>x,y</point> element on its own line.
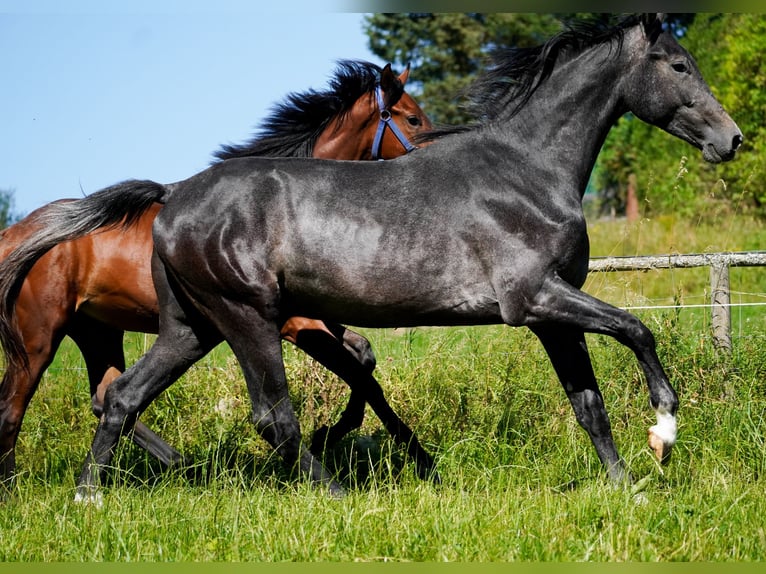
<point>91,496</point>
<point>666,428</point>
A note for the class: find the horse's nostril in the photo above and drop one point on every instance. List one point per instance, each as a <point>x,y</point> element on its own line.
<point>736,142</point>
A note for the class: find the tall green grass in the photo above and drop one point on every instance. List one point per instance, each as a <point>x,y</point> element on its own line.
<point>521,480</point>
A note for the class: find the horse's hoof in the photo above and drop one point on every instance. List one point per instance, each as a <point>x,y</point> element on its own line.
<point>89,496</point>
<point>336,491</point>
<point>661,448</point>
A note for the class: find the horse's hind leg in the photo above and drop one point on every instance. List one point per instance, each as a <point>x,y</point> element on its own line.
<point>259,352</point>
<point>16,390</point>
<point>42,330</point>
<point>177,347</point>
<point>102,348</point>
<point>569,355</point>
<point>328,350</point>
<point>129,394</point>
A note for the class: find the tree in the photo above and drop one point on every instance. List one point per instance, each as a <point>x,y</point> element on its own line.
<point>7,216</point>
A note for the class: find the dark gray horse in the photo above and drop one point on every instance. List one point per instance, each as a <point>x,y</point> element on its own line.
<point>484,226</point>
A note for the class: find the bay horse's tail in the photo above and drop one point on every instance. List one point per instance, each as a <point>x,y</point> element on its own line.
<point>123,203</point>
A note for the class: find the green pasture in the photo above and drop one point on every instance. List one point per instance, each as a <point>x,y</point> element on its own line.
<point>521,481</point>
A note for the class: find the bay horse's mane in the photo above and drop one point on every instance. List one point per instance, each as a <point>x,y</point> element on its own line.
<point>294,125</point>
<point>513,74</point>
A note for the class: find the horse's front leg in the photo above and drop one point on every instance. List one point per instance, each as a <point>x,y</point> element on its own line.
<point>558,303</point>
<point>42,328</point>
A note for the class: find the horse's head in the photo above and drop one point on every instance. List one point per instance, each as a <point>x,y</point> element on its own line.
<point>667,90</point>
<point>403,110</point>
<point>386,121</point>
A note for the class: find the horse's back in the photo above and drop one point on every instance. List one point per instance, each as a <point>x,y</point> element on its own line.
<point>106,275</point>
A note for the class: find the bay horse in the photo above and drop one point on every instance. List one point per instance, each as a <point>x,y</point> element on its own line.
<point>96,287</point>
<point>484,226</point>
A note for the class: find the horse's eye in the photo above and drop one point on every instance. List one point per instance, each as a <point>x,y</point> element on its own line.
<point>414,121</point>
<point>680,67</point>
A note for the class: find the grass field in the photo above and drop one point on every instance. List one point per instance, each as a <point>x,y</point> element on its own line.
<point>521,480</point>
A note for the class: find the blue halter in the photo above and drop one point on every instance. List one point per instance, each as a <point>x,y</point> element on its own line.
<point>386,121</point>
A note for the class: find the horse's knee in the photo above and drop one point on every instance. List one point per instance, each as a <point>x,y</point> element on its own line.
<point>360,348</point>
<point>639,336</point>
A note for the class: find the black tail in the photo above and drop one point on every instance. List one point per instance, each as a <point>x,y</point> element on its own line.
<point>122,203</point>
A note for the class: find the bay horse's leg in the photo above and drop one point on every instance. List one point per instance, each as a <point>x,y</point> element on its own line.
<point>102,348</point>
<point>327,348</point>
<point>17,388</point>
<point>42,329</point>
<point>344,341</point>
<point>568,353</point>
<point>559,303</point>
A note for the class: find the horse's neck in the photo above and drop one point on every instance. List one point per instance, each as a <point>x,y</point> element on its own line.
<point>348,137</point>
<point>571,113</point>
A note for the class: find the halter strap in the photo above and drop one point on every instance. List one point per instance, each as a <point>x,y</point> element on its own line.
<point>387,121</point>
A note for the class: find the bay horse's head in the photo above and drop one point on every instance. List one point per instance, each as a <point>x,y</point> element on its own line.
<point>342,122</point>
<point>387,118</point>
<point>667,90</point>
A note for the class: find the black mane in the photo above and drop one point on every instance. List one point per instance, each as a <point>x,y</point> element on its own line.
<point>293,126</point>
<point>513,74</point>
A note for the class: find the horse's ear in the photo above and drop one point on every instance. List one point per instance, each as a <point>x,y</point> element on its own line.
<point>404,76</point>
<point>387,78</point>
<point>653,25</point>
<point>391,86</point>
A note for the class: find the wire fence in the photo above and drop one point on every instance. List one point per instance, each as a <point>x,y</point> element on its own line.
<point>720,303</point>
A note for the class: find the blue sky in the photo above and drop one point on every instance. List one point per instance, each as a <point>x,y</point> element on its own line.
<point>92,93</point>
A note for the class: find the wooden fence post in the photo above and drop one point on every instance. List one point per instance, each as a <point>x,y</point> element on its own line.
<point>719,264</point>
<point>720,300</point>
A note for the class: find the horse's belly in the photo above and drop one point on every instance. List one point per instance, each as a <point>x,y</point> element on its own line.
<point>386,302</point>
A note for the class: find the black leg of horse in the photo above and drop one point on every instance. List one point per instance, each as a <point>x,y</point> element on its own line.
<point>257,345</point>
<point>559,303</point>
<point>178,347</point>
<point>364,388</point>
<point>325,348</point>
<point>102,349</point>
<point>569,355</point>
<point>129,394</point>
